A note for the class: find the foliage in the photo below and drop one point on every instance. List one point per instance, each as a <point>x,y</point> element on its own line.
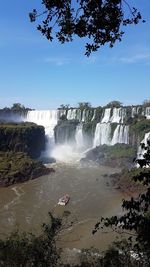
<point>146,103</point>
<point>62,106</point>
<point>17,106</point>
<point>114,104</point>
<point>22,137</point>
<point>89,128</point>
<point>63,118</point>
<point>99,21</point>
<point>84,105</point>
<point>113,128</point>
<point>118,151</point>
<point>29,250</point>
<point>136,220</point>
<point>98,115</point>
<point>140,127</point>
<point>18,167</point>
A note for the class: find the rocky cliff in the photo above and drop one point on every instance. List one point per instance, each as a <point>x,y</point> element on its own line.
<point>22,137</point>
<point>18,167</point>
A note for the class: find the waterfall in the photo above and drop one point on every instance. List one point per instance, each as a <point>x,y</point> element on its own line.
<point>106,117</point>
<point>78,114</point>
<point>94,115</point>
<point>79,137</point>
<point>135,111</point>
<point>141,152</point>
<point>71,115</point>
<point>103,131</point>
<point>147,113</point>
<point>121,135</point>
<point>83,115</point>
<point>118,115</point>
<point>46,118</point>
<point>62,112</point>
<point>102,134</point>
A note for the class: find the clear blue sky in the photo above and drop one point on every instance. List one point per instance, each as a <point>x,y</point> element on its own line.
<point>44,75</point>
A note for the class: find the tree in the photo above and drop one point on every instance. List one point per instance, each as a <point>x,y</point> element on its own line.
<point>84,105</point>
<point>17,106</point>
<point>146,103</point>
<point>30,250</point>
<point>98,21</point>
<point>136,220</point>
<point>114,104</point>
<point>62,106</point>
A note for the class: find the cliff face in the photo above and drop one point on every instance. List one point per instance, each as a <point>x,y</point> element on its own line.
<point>65,131</point>
<point>137,131</point>
<point>19,144</point>
<point>22,137</point>
<point>105,125</point>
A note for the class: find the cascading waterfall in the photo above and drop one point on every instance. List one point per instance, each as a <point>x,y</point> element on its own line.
<point>103,128</point>
<point>102,134</point>
<point>135,111</point>
<point>147,113</point>
<point>106,117</point>
<point>141,152</point>
<point>62,112</point>
<point>103,131</point>
<point>116,118</point>
<point>71,115</point>
<point>121,135</point>
<point>48,119</point>
<point>79,137</point>
<point>118,115</point>
<point>94,115</point>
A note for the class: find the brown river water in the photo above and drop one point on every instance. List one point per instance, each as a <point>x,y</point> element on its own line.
<point>26,206</point>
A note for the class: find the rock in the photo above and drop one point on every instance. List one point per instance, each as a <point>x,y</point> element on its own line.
<point>21,168</point>
<point>22,137</point>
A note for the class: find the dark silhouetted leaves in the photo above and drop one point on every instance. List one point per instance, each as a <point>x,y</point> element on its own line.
<point>100,22</point>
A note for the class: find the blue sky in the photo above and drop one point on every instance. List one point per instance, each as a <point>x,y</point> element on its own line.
<point>44,75</point>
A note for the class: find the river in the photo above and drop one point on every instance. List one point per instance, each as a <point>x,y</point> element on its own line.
<point>25,206</point>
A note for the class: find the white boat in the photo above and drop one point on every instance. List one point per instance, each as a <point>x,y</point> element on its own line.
<point>64,200</point>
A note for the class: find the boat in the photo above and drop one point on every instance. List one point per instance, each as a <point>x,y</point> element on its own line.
<point>64,200</point>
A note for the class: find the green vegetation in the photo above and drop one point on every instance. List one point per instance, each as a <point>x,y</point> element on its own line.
<point>66,106</point>
<point>135,220</point>
<point>119,155</point>
<point>17,107</point>
<point>20,142</point>
<point>22,137</point>
<point>99,112</point>
<point>26,250</point>
<point>139,128</point>
<point>146,103</point>
<point>114,104</point>
<point>89,128</point>
<point>84,105</point>
<point>18,167</point>
<point>118,151</point>
<point>113,127</point>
